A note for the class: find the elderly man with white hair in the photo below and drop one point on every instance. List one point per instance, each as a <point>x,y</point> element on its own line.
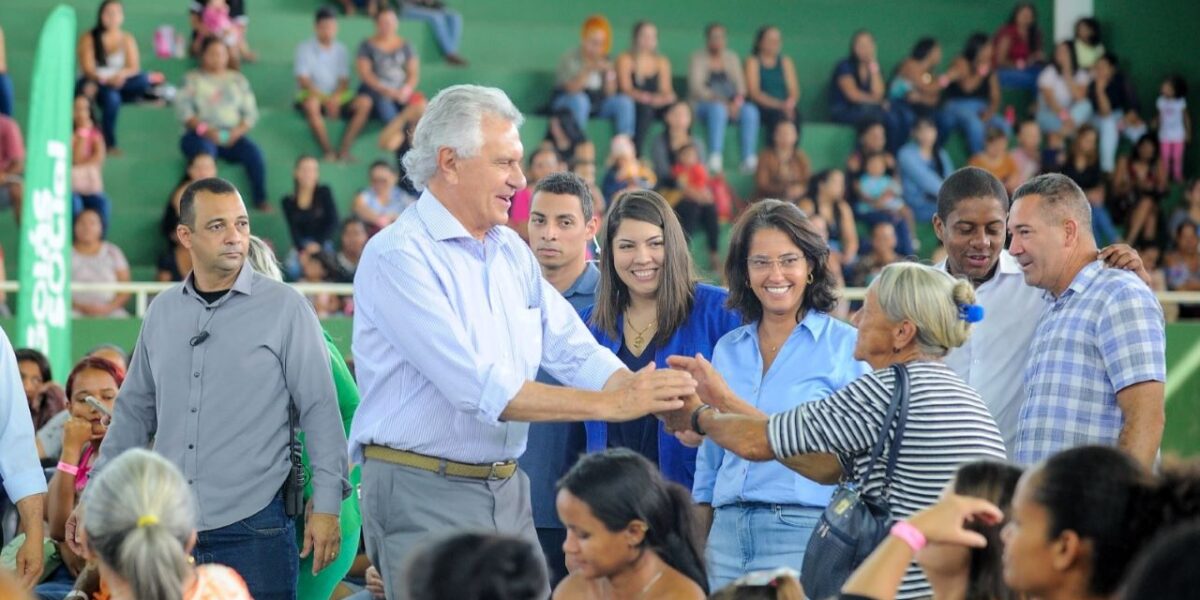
<point>453,319</point>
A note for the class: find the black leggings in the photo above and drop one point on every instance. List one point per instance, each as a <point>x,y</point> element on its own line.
<point>693,214</point>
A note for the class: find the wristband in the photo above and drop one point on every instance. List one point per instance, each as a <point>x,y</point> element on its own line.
<point>223,135</point>
<point>201,128</point>
<point>696,418</point>
<point>68,468</point>
<point>909,535</point>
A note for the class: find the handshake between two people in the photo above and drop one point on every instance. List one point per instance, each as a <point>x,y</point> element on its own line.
<point>691,388</point>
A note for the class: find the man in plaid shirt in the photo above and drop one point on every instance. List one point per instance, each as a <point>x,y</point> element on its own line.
<point>1098,361</point>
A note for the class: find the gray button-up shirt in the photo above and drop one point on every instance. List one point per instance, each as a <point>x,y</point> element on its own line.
<point>218,408</point>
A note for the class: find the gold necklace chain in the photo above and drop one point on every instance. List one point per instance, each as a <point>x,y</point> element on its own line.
<point>639,337</point>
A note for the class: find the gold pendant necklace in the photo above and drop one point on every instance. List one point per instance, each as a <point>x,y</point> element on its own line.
<point>639,337</point>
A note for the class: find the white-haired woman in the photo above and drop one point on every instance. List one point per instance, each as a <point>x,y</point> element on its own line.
<point>140,519</point>
<point>913,315</point>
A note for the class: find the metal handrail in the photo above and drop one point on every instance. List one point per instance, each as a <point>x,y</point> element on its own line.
<point>143,290</point>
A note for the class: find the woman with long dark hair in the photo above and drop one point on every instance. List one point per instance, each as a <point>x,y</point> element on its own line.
<point>914,90</point>
<point>111,66</point>
<point>630,534</point>
<point>1080,518</point>
<point>771,82</point>
<point>648,307</point>
<point>972,94</point>
<point>1019,55</point>
<point>788,351</point>
<point>857,91</point>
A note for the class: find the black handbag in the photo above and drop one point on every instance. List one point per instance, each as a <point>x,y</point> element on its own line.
<point>854,524</point>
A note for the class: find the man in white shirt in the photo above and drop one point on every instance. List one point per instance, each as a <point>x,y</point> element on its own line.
<point>971,223</point>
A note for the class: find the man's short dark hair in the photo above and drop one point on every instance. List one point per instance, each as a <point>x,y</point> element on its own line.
<point>567,183</point>
<point>187,202</point>
<point>325,12</point>
<point>1061,196</point>
<point>965,184</point>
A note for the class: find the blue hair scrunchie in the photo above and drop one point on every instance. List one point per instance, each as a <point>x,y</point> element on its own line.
<point>971,313</point>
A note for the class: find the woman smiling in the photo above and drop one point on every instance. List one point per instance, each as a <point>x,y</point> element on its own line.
<point>648,307</point>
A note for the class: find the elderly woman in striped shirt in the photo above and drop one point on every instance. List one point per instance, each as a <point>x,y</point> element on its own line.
<point>913,315</point>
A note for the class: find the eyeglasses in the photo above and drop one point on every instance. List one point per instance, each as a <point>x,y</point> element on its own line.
<point>787,263</point>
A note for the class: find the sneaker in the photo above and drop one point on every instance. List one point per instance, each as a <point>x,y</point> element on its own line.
<point>750,165</point>
<point>716,163</point>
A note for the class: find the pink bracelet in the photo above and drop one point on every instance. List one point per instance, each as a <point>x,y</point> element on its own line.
<point>68,468</point>
<point>909,534</point>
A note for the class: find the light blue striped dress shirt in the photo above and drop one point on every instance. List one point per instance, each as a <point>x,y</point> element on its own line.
<point>815,361</point>
<point>448,328</point>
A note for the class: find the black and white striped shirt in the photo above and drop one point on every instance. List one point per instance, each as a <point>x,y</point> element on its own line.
<point>948,425</point>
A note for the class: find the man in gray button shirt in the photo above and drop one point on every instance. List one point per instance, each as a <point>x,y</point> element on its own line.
<point>215,364</point>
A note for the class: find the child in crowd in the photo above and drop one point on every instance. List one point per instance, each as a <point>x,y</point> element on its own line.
<point>696,208</point>
<point>87,163</point>
<point>317,267</point>
<point>996,160</point>
<point>1054,153</point>
<point>217,22</point>
<point>1027,156</point>
<point>1174,124</point>
<point>625,171</point>
<point>882,254</point>
<point>881,192</point>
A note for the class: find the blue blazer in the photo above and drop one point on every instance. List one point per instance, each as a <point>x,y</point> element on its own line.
<point>706,324</point>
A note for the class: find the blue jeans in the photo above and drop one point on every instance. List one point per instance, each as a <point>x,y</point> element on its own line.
<point>1103,227</point>
<point>753,537</point>
<point>261,548</point>
<point>447,25</point>
<point>963,114</point>
<point>56,586</point>
<point>1050,122</point>
<point>857,114</point>
<point>618,108</point>
<point>715,116</point>
<point>109,99</point>
<point>244,151</point>
<point>6,94</point>
<point>96,202</point>
<point>1024,79</point>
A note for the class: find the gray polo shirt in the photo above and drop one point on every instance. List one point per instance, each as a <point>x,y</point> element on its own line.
<point>218,408</point>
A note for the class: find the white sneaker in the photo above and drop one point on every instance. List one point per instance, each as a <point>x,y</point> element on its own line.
<point>716,163</point>
<point>750,165</point>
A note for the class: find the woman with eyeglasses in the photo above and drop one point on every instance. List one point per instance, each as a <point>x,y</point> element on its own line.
<point>788,352</point>
<point>913,315</point>
<point>649,306</point>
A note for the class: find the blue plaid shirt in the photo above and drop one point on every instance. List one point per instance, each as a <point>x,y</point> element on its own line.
<point>1103,334</point>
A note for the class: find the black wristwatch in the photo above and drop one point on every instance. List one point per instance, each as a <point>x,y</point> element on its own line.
<point>696,418</point>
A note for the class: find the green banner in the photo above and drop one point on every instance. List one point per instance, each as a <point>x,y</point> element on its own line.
<point>44,305</point>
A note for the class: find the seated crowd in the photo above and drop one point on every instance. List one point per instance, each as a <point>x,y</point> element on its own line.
<point>1004,405</point>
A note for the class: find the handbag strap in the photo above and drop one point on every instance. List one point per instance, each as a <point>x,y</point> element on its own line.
<point>898,404</point>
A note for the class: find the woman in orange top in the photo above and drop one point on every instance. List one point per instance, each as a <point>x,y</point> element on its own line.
<point>139,514</point>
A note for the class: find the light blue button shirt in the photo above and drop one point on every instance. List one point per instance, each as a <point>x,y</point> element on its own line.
<point>447,328</point>
<point>815,361</point>
<point>19,467</point>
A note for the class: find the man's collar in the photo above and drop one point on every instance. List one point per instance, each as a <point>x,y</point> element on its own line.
<point>585,283</point>
<point>1083,279</point>
<point>441,224</point>
<point>243,284</point>
<point>1006,265</point>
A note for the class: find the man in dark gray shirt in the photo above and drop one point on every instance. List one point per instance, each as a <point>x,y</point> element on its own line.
<point>216,362</point>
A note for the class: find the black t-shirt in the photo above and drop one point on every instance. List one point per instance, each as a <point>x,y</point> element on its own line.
<point>211,297</point>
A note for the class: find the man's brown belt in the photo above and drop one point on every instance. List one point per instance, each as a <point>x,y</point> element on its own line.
<point>441,466</point>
